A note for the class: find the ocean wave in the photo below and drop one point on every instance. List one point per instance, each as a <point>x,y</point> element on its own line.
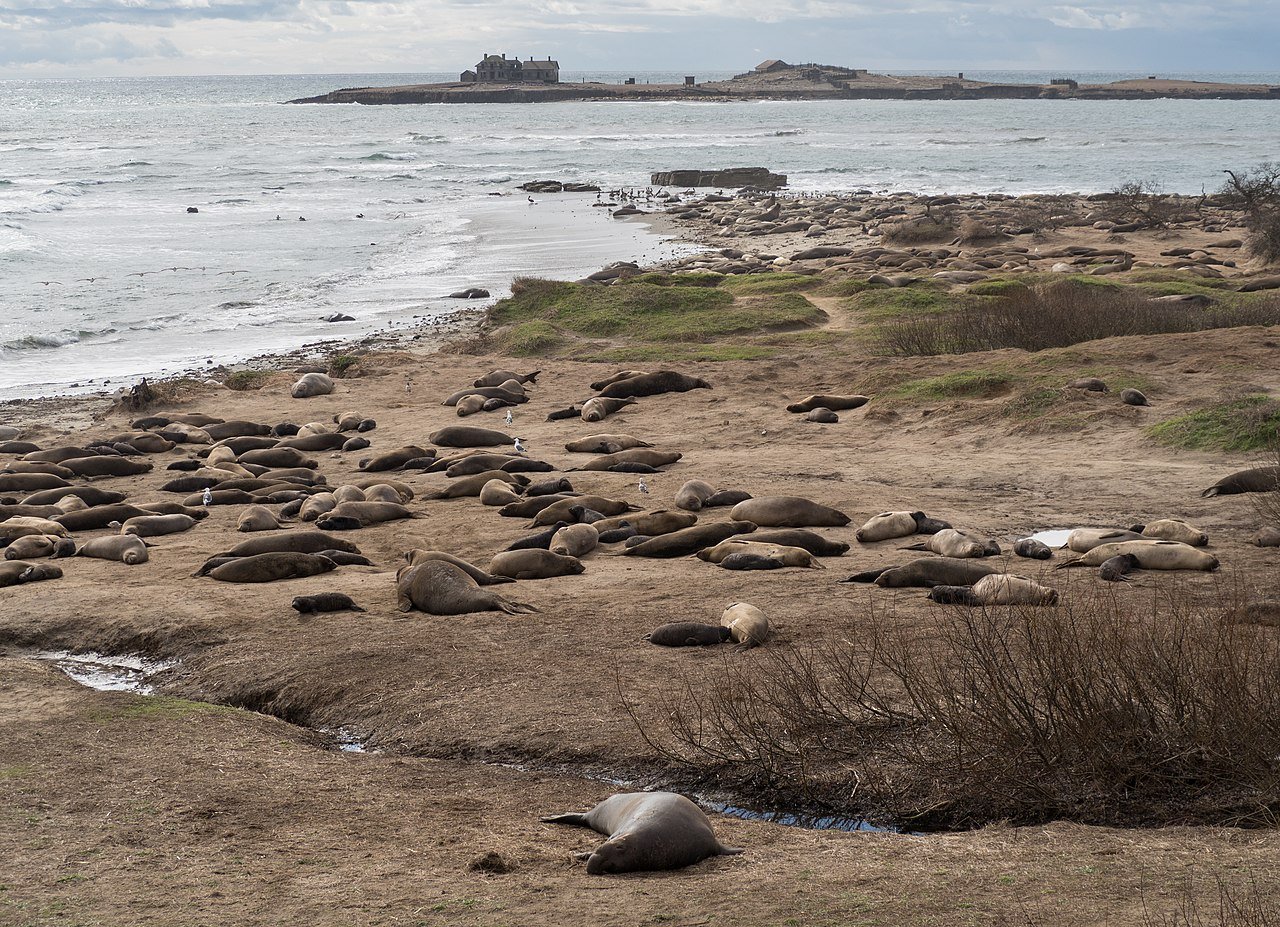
<point>421,139</point>
<point>1027,139</point>
<point>383,156</point>
<point>49,342</point>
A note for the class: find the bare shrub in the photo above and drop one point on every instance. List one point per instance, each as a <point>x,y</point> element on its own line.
<point>920,231</point>
<point>1267,504</point>
<point>973,230</point>
<point>1145,202</point>
<point>1247,906</point>
<point>1257,193</point>
<point>1058,314</point>
<point>1086,712</point>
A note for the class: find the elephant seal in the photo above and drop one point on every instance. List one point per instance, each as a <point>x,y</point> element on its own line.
<point>57,455</point>
<point>328,441</point>
<point>257,518</point>
<point>440,588</point>
<point>787,512</point>
<point>100,516</point>
<point>152,526</point>
<point>1132,397</point>
<point>1257,479</point>
<point>693,494</point>
<point>953,595</point>
<point>787,556</point>
<point>638,455</point>
<point>833,403</point>
<point>371,513</point>
<point>378,492</point>
<point>331,522</point>
<point>469,405</point>
<point>1114,569</point>
<point>748,626</point>
<point>497,377</point>
<point>19,447</point>
<point>1152,555</point>
<point>320,504</point>
<point>1083,540</point>
<point>220,431</point>
<point>126,548</point>
<point>37,546</point>
<point>89,494</point>
<point>627,467</point>
<point>549,487</point>
<point>268,568</point>
<point>529,507</point>
<point>469,436</point>
<point>18,572</point>
<point>952,543</point>
<point>617,535</point>
<point>476,463</point>
<point>312,384</point>
<point>534,563</point>
<point>1173,529</point>
<point>726,497</point>
<point>419,555</point>
<point>652,384</point>
<point>297,542</point>
<point>30,482</point>
<point>559,510</point>
<point>888,526</point>
<point>1091,384</point>
<point>486,392</point>
<point>823,417</point>
<point>471,486</point>
<point>811,541</point>
<point>1032,549</point>
<point>575,540</point>
<point>662,521</point>
<point>1267,537</point>
<point>749,561</point>
<point>687,541</point>
<point>279,458</point>
<point>605,444</point>
<point>600,408</point>
<point>356,444</point>
<point>540,539</point>
<point>394,460</point>
<point>1007,589</point>
<point>616,377</point>
<point>926,572</point>
<point>498,492</point>
<point>324,602</point>
<point>688,634</point>
<point>647,831</point>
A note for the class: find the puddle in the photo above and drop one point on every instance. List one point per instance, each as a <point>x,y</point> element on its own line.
<point>1056,537</point>
<point>107,673</point>
<point>805,821</point>
<point>345,739</point>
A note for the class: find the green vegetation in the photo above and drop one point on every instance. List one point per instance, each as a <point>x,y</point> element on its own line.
<point>341,364</point>
<point>965,384</point>
<point>1250,423</point>
<point>14,772</point>
<point>246,380</point>
<point>1001,286</point>
<point>651,320</point>
<point>156,706</point>
<point>883,304</point>
<point>765,284</point>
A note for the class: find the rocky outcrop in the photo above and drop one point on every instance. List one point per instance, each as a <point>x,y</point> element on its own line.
<point>757,178</point>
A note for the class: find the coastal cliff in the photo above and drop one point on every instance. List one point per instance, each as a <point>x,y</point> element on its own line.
<point>800,83</point>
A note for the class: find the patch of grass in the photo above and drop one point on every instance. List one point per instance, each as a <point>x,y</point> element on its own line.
<point>1001,286</point>
<point>531,339</point>
<point>1250,423</point>
<point>888,303</point>
<point>770,283</point>
<point>693,352</point>
<point>1033,403</point>
<point>965,384</point>
<point>14,772</point>
<point>691,278</point>
<point>246,380</point>
<point>156,706</point>
<point>342,365</point>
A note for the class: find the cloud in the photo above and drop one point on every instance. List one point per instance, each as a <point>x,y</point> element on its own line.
<point>1074,17</point>
<point>57,49</point>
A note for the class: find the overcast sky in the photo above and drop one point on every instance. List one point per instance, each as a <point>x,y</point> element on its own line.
<point>156,37</point>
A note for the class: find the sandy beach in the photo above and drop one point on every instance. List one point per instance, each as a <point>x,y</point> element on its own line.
<point>224,795</point>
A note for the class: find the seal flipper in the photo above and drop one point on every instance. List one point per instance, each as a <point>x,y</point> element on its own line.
<point>868,576</point>
<point>723,850</point>
<point>518,608</point>
<point>576,818</point>
<point>920,546</point>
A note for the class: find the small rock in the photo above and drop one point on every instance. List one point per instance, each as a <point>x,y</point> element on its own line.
<point>491,862</point>
<point>191,209</point>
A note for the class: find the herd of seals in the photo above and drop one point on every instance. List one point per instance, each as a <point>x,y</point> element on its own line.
<point>301,526</point>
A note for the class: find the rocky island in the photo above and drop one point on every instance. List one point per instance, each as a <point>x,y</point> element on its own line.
<point>777,80</point>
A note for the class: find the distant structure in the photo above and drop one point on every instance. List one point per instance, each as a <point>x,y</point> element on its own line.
<point>499,69</point>
<point>773,64</point>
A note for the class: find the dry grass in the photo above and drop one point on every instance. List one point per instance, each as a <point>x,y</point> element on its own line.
<point>1085,712</point>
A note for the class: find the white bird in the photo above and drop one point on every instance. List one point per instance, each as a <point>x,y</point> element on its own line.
<point>519,447</point>
<point>644,488</point>
<point>408,386</point>
<point>208,497</point>
<point>508,416</point>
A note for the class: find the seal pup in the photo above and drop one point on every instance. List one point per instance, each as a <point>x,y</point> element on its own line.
<point>1267,537</point>
<point>440,588</point>
<point>688,634</point>
<point>1114,570</point>
<point>540,539</point>
<point>1032,549</point>
<point>599,408</point>
<point>17,572</point>
<point>749,561</point>
<point>324,602</point>
<point>1132,397</point>
<point>748,626</point>
<point>811,541</point>
<point>823,417</point>
<point>647,831</point>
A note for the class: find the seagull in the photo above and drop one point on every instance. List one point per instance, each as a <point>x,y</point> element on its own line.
<point>644,488</point>
<point>531,201</point>
<point>408,385</point>
<point>519,447</point>
<point>57,283</point>
<point>208,497</point>
<point>509,416</point>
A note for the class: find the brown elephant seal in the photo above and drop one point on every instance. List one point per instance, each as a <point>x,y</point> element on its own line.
<point>220,431</point>
<point>1267,537</point>
<point>269,568</point>
<point>39,546</point>
<point>320,504</point>
<point>19,572</point>
<point>486,392</point>
<point>1132,397</point>
<point>332,522</point>
<point>687,541</point>
<point>888,526</point>
<point>298,542</point>
<point>469,405</point>
<point>787,556</point>
<point>342,558</point>
<point>221,497</point>
<point>831,403</point>
<point>748,625</point>
<point>328,441</point>
<point>600,408</point>
<point>688,634</point>
<point>154,526</point>
<point>1173,529</point>
<point>100,516</point>
<point>471,486</point>
<point>125,548</point>
<point>89,494</point>
<point>312,384</point>
<point>18,447</point>
<point>638,455</point>
<point>394,460</point>
<point>324,602</point>
<point>605,444</point>
<point>498,377</point>
<point>726,497</point>
<point>356,444</point>
<point>952,543</point>
<point>575,540</point>
<point>57,455</point>
<point>693,494</point>
<point>498,492</point>
<point>1114,570</point>
<point>440,588</point>
<point>419,555</point>
<point>823,417</point>
<point>1007,589</point>
<point>953,595</point>
<point>529,507</point>
<point>1256,479</point>
<point>749,561</point>
<point>653,524</point>
<point>1032,549</point>
<point>926,573</point>
<point>279,458</point>
<point>30,482</point>
<point>539,539</point>
<point>371,513</point>
<point>38,466</point>
<point>549,487</point>
<point>1083,540</point>
<point>787,512</point>
<point>534,563</point>
<point>469,436</point>
<point>404,489</point>
<point>378,492</point>
<point>1152,555</point>
<point>559,510</point>
<point>472,464</point>
<point>647,831</point>
<point>257,518</point>
<point>616,377</point>
<point>811,541</point>
<point>652,384</point>
<point>1091,384</point>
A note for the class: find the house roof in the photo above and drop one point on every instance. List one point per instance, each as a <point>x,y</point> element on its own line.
<point>542,65</point>
<point>771,62</point>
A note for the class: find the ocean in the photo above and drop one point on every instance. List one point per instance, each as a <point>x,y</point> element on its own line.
<point>107,277</point>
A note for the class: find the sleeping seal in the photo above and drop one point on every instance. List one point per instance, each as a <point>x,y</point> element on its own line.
<point>788,512</point>
<point>688,634</point>
<point>440,588</point>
